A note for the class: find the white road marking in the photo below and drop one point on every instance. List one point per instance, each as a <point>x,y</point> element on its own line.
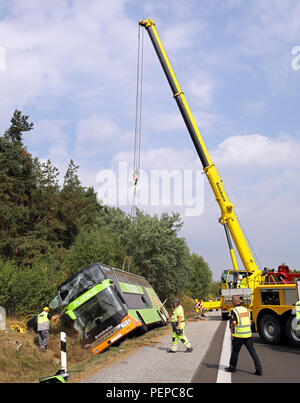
<point>223,376</point>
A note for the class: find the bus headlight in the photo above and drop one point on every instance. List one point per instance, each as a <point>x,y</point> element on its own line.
<point>125,323</point>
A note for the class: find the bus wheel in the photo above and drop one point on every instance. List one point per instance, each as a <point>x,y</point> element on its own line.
<point>291,332</point>
<point>142,329</point>
<point>270,329</point>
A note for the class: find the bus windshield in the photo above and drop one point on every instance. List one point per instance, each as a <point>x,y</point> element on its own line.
<point>100,313</point>
<point>79,283</point>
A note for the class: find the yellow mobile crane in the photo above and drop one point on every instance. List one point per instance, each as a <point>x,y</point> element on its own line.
<point>272,305</point>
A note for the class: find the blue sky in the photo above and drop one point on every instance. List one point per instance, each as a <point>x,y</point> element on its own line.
<point>71,66</point>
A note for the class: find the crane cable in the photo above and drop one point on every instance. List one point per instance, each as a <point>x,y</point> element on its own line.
<point>138,119</point>
<point>249,242</point>
<point>137,132</point>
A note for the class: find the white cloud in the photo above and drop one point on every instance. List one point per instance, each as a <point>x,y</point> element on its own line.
<point>46,46</point>
<point>261,178</point>
<point>267,34</point>
<point>272,23</point>
<point>162,158</point>
<point>157,120</point>
<point>258,151</point>
<point>95,135</point>
<point>255,107</point>
<point>180,36</point>
<point>49,140</point>
<point>202,87</point>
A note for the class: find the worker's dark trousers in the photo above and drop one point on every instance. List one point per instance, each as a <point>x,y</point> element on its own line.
<point>237,343</point>
<point>43,337</point>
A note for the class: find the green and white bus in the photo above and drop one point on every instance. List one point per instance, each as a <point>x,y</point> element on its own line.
<point>105,304</point>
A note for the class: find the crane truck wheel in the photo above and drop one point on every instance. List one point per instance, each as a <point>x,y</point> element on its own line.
<point>291,332</point>
<point>270,329</point>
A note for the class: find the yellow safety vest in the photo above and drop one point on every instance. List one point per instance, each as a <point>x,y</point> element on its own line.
<point>43,322</point>
<point>243,326</point>
<point>178,311</point>
<point>298,314</point>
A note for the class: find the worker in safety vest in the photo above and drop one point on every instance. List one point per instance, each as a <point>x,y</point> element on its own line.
<point>239,281</point>
<point>43,328</point>
<point>178,325</point>
<point>298,315</point>
<point>240,325</point>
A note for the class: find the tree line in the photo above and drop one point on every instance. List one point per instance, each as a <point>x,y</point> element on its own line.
<point>49,230</point>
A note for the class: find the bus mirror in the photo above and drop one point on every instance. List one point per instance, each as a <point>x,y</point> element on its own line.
<point>54,303</point>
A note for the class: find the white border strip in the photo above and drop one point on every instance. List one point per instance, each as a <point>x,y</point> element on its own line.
<point>223,376</point>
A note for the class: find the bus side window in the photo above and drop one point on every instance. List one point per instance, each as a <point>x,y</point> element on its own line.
<point>144,300</point>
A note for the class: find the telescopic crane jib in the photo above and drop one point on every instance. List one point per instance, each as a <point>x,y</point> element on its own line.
<point>228,217</point>
<point>270,299</point>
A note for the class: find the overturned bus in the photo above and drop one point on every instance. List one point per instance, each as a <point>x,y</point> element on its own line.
<point>105,304</point>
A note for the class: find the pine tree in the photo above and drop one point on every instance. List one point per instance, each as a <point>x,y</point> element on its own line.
<point>71,180</point>
<point>19,124</point>
<point>18,188</point>
<point>48,225</point>
<point>78,205</point>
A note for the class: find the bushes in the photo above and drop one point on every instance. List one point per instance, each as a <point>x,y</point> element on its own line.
<point>27,290</point>
<point>158,253</point>
<point>94,246</point>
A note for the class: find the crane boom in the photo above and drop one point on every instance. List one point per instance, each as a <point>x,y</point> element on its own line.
<point>228,216</point>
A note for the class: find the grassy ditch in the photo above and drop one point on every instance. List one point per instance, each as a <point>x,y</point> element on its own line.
<point>21,361</point>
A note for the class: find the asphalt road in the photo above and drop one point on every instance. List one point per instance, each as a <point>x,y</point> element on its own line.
<point>280,363</point>
<point>155,365</point>
<point>212,346</point>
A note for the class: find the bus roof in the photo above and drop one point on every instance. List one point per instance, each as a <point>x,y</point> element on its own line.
<point>120,274</point>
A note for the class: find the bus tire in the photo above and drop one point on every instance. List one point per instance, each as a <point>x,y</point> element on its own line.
<point>292,335</point>
<point>142,329</point>
<point>270,329</point>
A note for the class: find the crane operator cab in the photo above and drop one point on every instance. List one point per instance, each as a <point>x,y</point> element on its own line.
<point>234,279</point>
<point>234,283</point>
